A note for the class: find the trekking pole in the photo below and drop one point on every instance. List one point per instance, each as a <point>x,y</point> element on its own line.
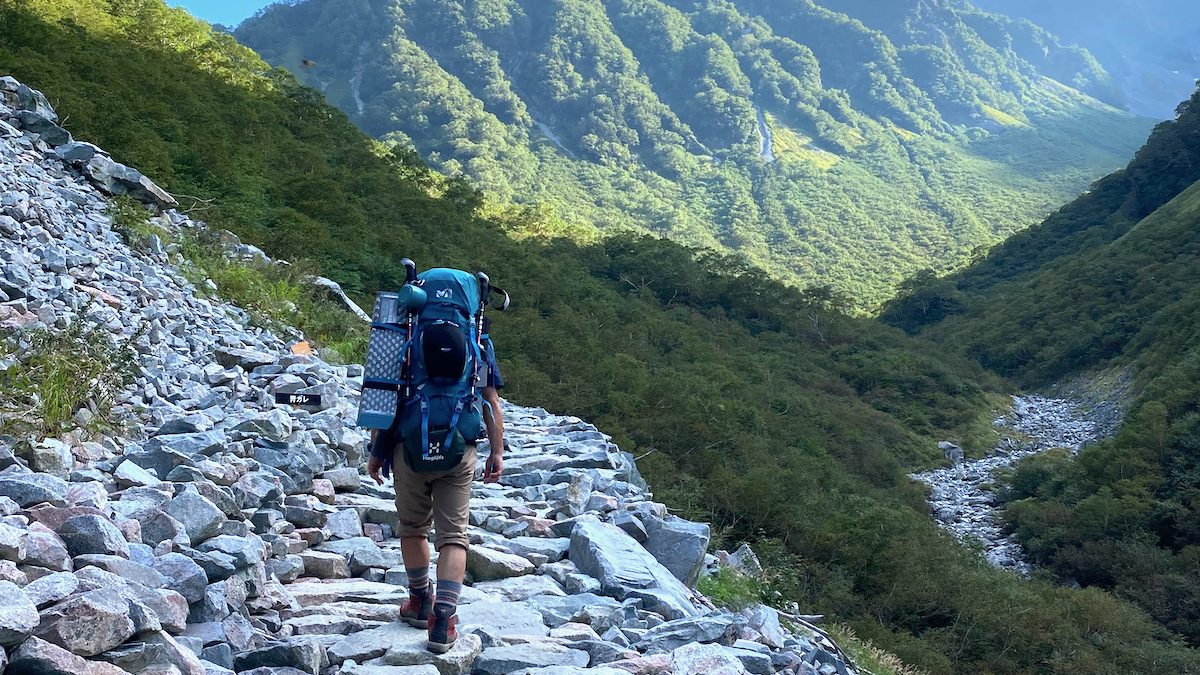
<point>410,275</point>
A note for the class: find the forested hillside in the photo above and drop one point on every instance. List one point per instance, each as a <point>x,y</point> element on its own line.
<point>761,408</point>
<point>1149,46</point>
<point>1107,286</point>
<point>832,143</point>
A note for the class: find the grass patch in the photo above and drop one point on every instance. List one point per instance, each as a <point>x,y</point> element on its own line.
<point>790,145</point>
<point>731,589</point>
<point>60,374</point>
<point>131,220</point>
<point>275,295</point>
<point>868,657</point>
<point>1002,118</point>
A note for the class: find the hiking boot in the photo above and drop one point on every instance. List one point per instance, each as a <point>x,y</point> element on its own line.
<point>443,632</point>
<point>416,610</point>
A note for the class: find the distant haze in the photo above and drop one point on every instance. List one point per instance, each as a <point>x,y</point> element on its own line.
<point>227,12</point>
<point>1149,46</point>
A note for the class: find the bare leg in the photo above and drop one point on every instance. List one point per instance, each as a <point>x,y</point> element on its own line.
<point>415,551</point>
<point>452,562</point>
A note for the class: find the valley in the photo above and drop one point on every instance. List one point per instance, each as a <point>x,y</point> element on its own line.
<point>820,156</point>
<point>832,144</point>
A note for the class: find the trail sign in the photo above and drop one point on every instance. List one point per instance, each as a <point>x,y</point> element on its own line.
<point>302,400</point>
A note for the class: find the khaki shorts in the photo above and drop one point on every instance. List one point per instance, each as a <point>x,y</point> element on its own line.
<point>439,499</point>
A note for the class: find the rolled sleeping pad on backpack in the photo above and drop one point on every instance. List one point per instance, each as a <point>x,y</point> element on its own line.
<point>383,370</point>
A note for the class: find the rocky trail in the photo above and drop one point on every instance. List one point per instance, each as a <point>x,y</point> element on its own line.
<point>226,533</point>
<point>962,498</point>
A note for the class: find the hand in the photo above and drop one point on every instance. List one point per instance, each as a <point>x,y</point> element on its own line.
<point>494,467</point>
<point>374,466</point>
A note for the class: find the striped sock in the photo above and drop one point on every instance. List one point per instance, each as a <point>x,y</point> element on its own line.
<point>418,580</point>
<point>447,594</point>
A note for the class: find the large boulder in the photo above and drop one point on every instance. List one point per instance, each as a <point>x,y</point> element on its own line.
<point>89,623</point>
<point>90,533</point>
<point>626,570</point>
<point>117,179</point>
<point>678,544</point>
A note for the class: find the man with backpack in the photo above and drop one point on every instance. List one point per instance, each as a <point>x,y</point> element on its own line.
<point>450,381</point>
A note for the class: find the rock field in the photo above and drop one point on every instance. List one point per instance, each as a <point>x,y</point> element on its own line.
<point>225,533</point>
<point>962,499</point>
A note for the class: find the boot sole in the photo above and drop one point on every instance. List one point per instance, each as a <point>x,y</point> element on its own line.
<point>439,647</point>
<point>416,623</point>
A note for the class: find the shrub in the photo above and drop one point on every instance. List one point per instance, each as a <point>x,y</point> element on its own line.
<point>57,375</point>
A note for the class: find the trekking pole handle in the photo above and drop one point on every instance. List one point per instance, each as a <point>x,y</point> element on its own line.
<point>410,270</point>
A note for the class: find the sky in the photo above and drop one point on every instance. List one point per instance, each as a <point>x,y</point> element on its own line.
<point>228,12</point>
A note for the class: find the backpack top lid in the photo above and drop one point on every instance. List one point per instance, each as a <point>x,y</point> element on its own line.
<point>454,287</point>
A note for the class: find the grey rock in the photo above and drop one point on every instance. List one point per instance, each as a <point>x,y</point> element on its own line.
<point>124,568</point>
<point>12,542</point>
<point>46,549</point>
<point>756,662</point>
<point>765,620</point>
<point>159,527</point>
<point>77,152</point>
<point>501,619</point>
<point>51,588</point>
<point>117,179</point>
<point>325,565</point>
<point>245,551</point>
<point>709,659</point>
<point>50,133</point>
<point>597,611</point>
<point>630,524</point>
<point>485,564</point>
<point>34,488</point>
<point>671,635</point>
<point>517,658</point>
<point>625,569</point>
<point>745,561</point>
<point>552,548</point>
<point>678,544</point>
<point>246,359</point>
<point>199,516</point>
<point>344,524</point>
<point>304,654</point>
<point>521,588</point>
<point>605,650</point>
<point>103,611</point>
<point>155,652</point>
<point>18,615</point>
<point>52,456</point>
<point>38,657</point>
<point>90,533</point>
<point>411,651</point>
<point>129,474</point>
<point>183,575</point>
<point>344,480</point>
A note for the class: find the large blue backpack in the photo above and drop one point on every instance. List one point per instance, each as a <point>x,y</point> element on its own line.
<point>425,369</point>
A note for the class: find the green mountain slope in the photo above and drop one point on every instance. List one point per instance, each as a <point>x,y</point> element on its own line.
<point>1106,285</point>
<point>756,406</point>
<point>831,143</point>
<point>1149,46</point>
